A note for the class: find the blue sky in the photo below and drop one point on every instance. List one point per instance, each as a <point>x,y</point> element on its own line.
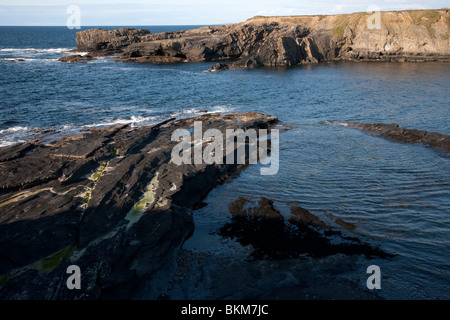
<point>194,12</point>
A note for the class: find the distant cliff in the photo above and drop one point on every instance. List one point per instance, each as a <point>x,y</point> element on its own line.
<point>413,35</point>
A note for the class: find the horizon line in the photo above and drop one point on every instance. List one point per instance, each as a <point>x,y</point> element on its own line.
<point>221,24</point>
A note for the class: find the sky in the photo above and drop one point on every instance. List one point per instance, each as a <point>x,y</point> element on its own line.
<point>177,12</point>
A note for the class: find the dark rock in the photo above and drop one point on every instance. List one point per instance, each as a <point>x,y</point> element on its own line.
<point>219,67</point>
<point>109,201</point>
<point>110,41</point>
<point>76,58</point>
<point>263,228</point>
<point>394,133</point>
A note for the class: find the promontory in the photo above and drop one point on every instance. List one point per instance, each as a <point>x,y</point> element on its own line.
<point>413,35</point>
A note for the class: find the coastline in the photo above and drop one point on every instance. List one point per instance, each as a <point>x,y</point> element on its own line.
<point>110,201</point>
<point>396,36</point>
<point>368,193</point>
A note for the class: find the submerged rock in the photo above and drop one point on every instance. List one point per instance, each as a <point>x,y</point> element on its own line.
<point>76,58</point>
<point>110,201</point>
<point>219,67</point>
<point>264,229</point>
<point>394,133</point>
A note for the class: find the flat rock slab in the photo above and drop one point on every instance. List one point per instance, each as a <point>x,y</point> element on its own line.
<point>394,133</point>
<point>110,201</point>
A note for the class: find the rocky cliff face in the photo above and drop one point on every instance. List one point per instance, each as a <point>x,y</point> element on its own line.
<point>416,35</point>
<point>108,41</point>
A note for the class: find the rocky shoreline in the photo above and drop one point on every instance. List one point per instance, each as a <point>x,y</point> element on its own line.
<point>110,201</point>
<point>399,36</point>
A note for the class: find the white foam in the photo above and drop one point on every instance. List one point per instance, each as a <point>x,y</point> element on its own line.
<point>5,143</point>
<point>193,111</point>
<point>34,50</point>
<point>14,129</point>
<point>185,112</point>
<point>27,59</point>
<point>219,109</point>
<point>132,121</point>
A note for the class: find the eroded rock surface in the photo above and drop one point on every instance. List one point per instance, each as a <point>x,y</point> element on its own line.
<point>109,201</point>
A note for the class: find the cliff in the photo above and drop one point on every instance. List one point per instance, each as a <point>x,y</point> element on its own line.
<point>414,35</point>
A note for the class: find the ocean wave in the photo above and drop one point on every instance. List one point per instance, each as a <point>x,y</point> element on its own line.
<point>27,59</point>
<point>194,111</point>
<point>35,50</point>
<point>13,135</point>
<point>219,109</point>
<point>14,129</point>
<point>133,120</point>
<point>5,143</point>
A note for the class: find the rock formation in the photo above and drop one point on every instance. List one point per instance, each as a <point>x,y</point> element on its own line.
<point>110,201</point>
<point>264,229</point>
<point>76,58</point>
<point>414,35</point>
<point>394,133</point>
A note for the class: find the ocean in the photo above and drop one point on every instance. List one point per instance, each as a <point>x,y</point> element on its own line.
<point>397,195</point>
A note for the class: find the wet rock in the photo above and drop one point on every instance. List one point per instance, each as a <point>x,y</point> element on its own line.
<point>264,229</point>
<point>110,201</point>
<point>219,67</point>
<point>76,58</point>
<point>208,276</point>
<point>394,133</point>
<point>300,215</point>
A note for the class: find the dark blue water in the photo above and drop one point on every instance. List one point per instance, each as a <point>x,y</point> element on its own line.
<point>398,195</point>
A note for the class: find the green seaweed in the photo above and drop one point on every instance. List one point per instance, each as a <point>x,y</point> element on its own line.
<point>147,199</point>
<point>87,197</point>
<point>96,175</point>
<point>51,262</point>
<point>113,150</point>
<point>5,279</point>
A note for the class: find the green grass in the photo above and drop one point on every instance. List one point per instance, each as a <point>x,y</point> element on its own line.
<point>347,20</point>
<point>425,18</point>
<point>339,31</point>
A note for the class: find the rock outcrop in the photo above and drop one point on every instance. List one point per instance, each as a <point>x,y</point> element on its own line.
<point>108,41</point>
<point>76,58</point>
<point>414,35</point>
<point>110,201</point>
<point>219,67</point>
<point>393,132</point>
<point>263,229</point>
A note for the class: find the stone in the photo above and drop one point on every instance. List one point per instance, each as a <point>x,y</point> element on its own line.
<point>76,58</point>
<point>394,133</point>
